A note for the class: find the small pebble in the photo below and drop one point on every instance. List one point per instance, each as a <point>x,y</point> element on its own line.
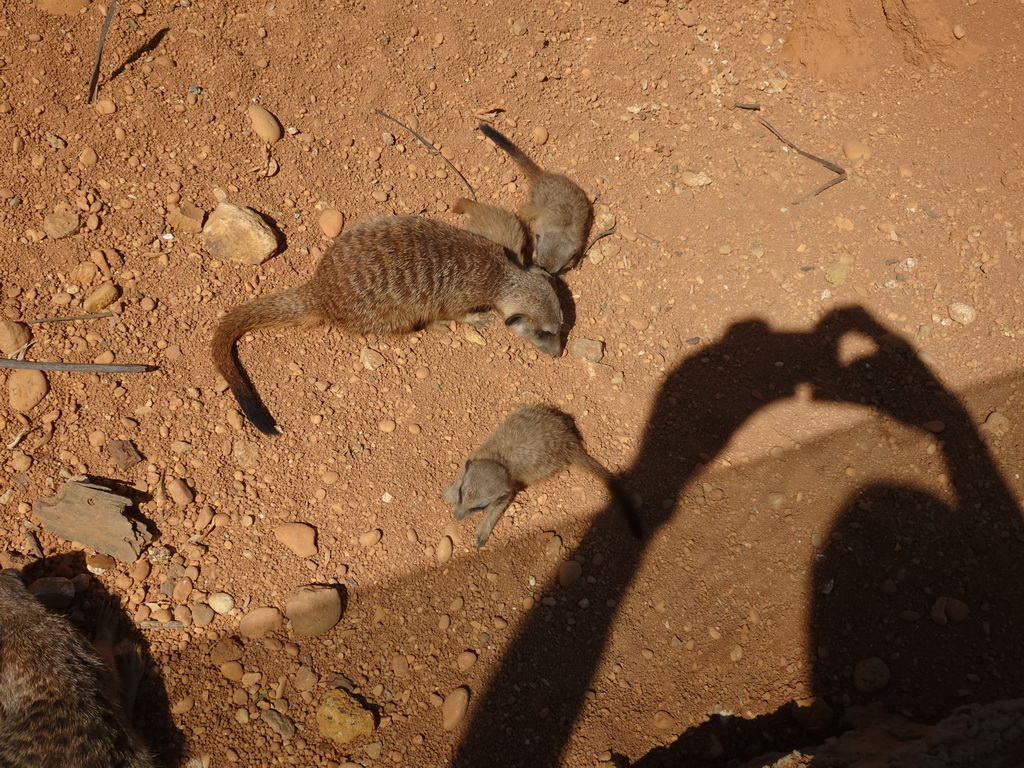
<point>221,602</point>
<point>259,622</point>
<point>265,125</point>
<point>300,538</point>
<point>26,389</point>
<point>443,553</point>
<point>61,224</point>
<point>331,222</point>
<point>959,32</point>
<point>466,660</point>
<point>569,572</point>
<point>539,135</point>
<point>13,336</point>
<point>101,298</point>
<point>962,313</point>
<point>870,675</point>
<point>180,493</point>
<point>454,708</point>
<point>856,150</point>
<point>313,609</point>
<point>518,28</point>
<point>371,537</point>
<point>663,720</point>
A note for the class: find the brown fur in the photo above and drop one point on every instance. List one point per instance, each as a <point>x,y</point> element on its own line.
<point>558,210</point>
<point>58,707</point>
<point>497,224</point>
<point>532,444</point>
<point>392,275</point>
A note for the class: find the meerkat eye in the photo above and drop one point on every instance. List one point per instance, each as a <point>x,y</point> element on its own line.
<point>512,319</point>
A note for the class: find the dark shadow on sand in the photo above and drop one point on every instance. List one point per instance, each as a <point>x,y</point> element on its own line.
<point>927,547</point>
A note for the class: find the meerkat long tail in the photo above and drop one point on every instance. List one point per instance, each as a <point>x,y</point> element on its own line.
<point>620,496</point>
<point>532,169</point>
<point>287,308</point>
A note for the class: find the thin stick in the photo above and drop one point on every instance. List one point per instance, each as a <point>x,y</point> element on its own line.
<point>94,81</point>
<point>153,624</point>
<point>598,237</point>
<point>827,163</point>
<point>93,316</point>
<point>747,106</point>
<point>432,148</point>
<point>76,367</point>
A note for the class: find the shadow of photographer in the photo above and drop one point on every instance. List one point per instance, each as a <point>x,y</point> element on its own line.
<point>704,401</point>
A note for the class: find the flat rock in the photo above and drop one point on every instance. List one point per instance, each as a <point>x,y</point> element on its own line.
<point>61,224</point>
<point>280,724</point>
<point>236,233</point>
<point>26,389</point>
<point>186,218</point>
<point>260,622</point>
<point>300,538</point>
<point>342,718</point>
<point>94,517</point>
<point>313,609</point>
<point>590,350</point>
<point>123,453</point>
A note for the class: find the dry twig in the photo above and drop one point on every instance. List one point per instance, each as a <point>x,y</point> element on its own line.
<point>76,367</point>
<point>827,163</point>
<point>597,237</point>
<point>93,316</point>
<point>432,148</point>
<point>94,81</point>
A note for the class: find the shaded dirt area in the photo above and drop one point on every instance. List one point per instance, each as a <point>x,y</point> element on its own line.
<point>819,404</point>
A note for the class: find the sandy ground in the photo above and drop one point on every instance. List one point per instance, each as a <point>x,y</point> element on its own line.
<point>817,399</point>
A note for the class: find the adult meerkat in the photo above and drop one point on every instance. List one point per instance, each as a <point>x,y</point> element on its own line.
<point>558,210</point>
<point>397,274</point>
<point>58,700</point>
<point>533,443</point>
<point>497,224</point>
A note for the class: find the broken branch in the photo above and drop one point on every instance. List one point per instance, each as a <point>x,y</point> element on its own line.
<point>94,81</point>
<point>822,161</point>
<point>93,316</point>
<point>77,367</point>
<point>432,148</point>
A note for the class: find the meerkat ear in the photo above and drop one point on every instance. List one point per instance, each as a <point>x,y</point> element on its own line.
<point>513,319</point>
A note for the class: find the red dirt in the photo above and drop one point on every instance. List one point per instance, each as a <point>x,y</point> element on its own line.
<point>801,517</point>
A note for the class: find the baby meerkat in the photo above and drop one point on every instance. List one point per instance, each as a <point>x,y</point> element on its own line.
<point>533,443</point>
<point>558,210</point>
<point>397,274</point>
<point>497,224</point>
<point>58,701</point>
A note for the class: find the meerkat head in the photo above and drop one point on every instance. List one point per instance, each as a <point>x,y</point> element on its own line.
<point>481,485</point>
<point>530,307</point>
<point>555,249</point>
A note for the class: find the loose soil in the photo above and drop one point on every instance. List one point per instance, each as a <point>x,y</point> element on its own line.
<point>827,454</point>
